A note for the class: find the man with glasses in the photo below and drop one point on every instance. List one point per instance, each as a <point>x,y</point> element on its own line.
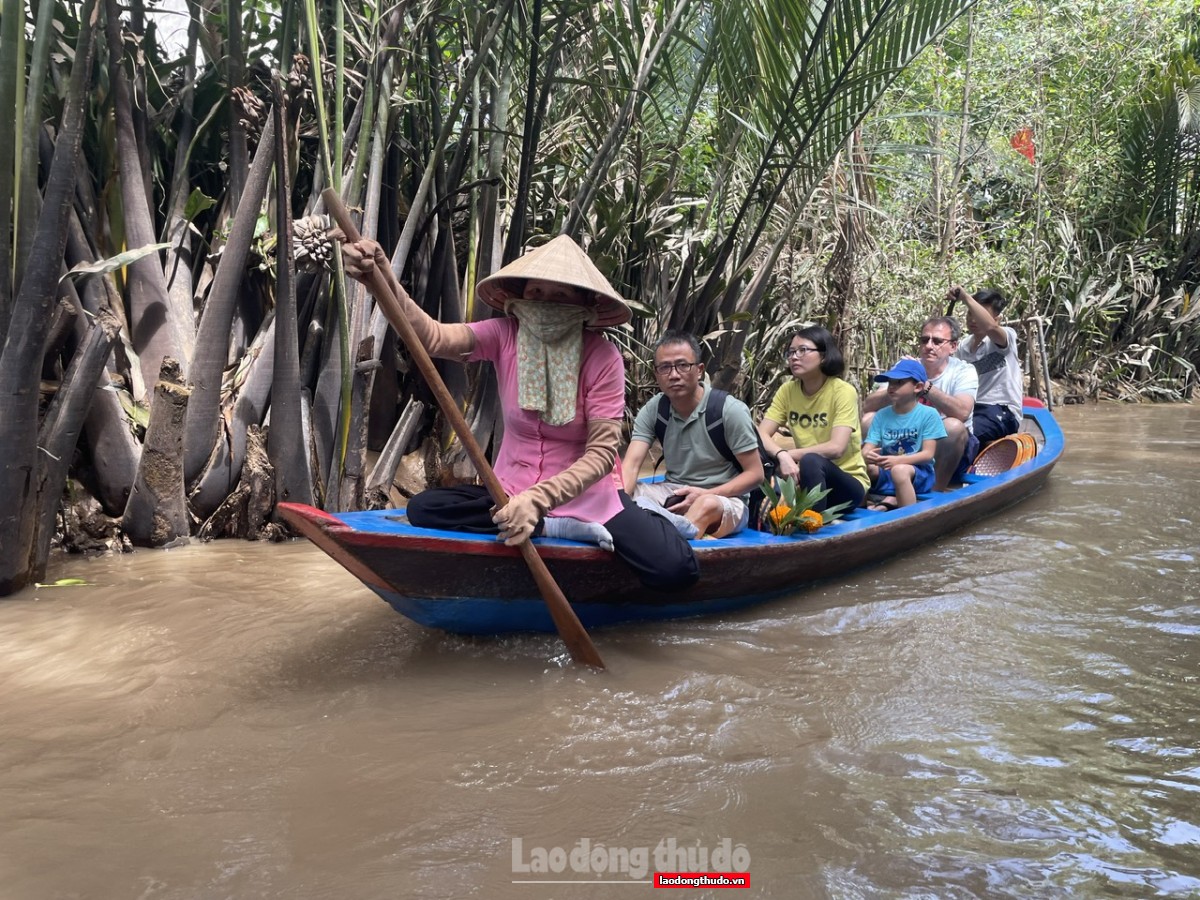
<point>704,492</point>
<point>951,390</point>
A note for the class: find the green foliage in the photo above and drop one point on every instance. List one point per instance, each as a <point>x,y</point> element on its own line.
<point>197,202</point>
<point>1096,234</point>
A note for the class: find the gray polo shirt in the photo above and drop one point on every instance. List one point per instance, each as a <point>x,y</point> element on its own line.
<point>690,455</point>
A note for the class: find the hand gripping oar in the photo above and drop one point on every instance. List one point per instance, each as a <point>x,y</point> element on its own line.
<point>579,644</point>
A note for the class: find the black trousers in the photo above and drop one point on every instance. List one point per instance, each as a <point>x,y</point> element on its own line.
<point>658,555</point>
<point>993,421</point>
<point>822,472</point>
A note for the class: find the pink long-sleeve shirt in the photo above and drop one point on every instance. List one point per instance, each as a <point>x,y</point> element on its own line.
<point>533,451</point>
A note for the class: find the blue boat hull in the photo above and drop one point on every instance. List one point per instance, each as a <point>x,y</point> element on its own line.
<point>472,584</point>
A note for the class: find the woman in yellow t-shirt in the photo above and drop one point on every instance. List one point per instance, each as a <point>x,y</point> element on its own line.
<point>820,409</point>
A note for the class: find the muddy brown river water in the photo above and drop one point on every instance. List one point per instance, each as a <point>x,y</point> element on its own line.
<point>1012,712</point>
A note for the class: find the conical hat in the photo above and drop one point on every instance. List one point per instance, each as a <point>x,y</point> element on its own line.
<point>561,261</point>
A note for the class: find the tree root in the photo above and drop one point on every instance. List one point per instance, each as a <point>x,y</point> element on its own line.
<point>246,512</point>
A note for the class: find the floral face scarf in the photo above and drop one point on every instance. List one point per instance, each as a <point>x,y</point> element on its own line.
<point>549,349</point>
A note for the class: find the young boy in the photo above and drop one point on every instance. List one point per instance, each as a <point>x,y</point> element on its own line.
<point>900,444</point>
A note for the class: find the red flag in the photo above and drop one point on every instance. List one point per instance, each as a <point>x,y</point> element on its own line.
<point>1022,142</point>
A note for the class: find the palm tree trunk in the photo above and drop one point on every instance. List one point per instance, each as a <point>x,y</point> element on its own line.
<point>486,250</point>
<point>137,93</point>
<point>157,513</point>
<point>286,447</point>
<point>12,32</point>
<point>179,255</point>
<point>159,330</point>
<point>212,337</point>
<point>530,131</point>
<point>60,429</point>
<point>380,483</point>
<point>352,484</point>
<point>108,430</point>
<point>235,65</point>
<point>21,358</point>
<point>29,195</point>
<point>245,407</point>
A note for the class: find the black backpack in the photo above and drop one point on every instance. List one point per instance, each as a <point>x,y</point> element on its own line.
<point>714,424</point>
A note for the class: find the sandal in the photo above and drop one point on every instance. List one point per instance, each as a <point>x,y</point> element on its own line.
<point>885,504</point>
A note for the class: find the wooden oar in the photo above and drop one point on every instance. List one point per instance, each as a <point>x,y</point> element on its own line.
<point>574,635</point>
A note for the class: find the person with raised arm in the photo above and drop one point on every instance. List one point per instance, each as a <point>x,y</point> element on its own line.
<point>992,349</point>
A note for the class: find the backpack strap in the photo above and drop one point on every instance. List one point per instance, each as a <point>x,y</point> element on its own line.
<point>664,416</point>
<point>660,428</point>
<point>714,423</point>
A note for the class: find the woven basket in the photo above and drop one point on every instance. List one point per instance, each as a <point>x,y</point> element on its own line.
<point>1029,447</point>
<point>1004,454</point>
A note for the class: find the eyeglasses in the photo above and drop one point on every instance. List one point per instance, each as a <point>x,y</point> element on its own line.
<point>681,367</point>
<point>930,339</point>
<point>798,351</point>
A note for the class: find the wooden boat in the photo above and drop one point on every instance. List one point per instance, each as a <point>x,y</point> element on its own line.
<point>473,584</point>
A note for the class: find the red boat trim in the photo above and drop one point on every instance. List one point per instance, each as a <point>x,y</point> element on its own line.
<point>319,526</point>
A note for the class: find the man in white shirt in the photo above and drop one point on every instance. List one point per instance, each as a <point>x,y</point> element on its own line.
<point>950,390</point>
<point>992,349</point>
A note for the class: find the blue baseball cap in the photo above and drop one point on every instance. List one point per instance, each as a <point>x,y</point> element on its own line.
<point>906,368</point>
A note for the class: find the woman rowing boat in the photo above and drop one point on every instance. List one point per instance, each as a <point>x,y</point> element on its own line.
<point>562,396</point>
